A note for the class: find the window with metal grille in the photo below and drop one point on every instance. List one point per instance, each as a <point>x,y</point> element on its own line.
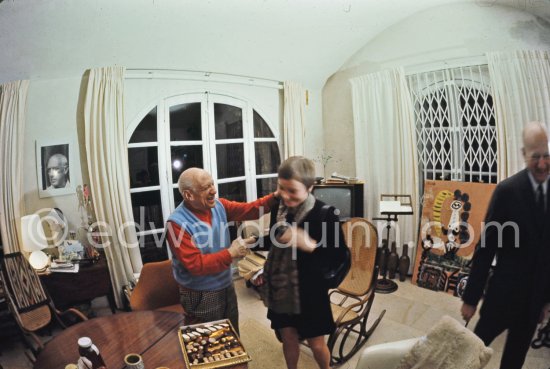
<point>455,124</point>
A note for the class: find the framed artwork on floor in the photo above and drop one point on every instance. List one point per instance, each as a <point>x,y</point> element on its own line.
<point>450,228</point>
<point>54,166</point>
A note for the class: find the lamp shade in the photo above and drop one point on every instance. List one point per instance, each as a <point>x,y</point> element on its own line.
<point>58,226</point>
<point>32,233</point>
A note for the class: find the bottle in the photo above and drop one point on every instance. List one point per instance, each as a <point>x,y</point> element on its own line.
<point>88,351</point>
<point>393,260</point>
<point>404,263</point>
<point>382,255</point>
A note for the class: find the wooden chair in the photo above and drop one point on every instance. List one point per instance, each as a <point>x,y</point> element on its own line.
<point>352,300</point>
<point>156,289</point>
<point>29,302</point>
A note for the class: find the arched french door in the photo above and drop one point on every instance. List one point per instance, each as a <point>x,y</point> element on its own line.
<point>222,134</point>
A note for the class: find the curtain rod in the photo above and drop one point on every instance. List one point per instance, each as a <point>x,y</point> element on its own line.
<point>446,64</point>
<point>193,75</point>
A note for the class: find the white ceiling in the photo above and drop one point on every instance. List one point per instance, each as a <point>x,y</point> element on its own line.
<point>302,40</point>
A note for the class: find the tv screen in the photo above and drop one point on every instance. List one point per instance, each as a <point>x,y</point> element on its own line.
<point>339,197</point>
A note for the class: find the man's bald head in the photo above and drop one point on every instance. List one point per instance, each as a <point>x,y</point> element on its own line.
<point>535,150</point>
<point>533,133</point>
<point>197,188</point>
<point>188,179</point>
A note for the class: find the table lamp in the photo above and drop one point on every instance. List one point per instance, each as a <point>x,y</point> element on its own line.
<point>58,226</point>
<point>34,240</point>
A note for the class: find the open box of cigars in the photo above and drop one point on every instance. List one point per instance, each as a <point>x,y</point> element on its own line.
<point>211,345</point>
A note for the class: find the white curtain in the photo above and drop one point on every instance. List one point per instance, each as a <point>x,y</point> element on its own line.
<point>294,119</point>
<point>385,144</point>
<point>13,104</point>
<point>520,82</point>
<point>109,175</point>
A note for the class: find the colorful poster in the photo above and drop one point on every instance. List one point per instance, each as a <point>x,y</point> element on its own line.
<point>450,228</point>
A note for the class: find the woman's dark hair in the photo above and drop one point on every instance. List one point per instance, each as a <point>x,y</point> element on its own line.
<point>298,168</point>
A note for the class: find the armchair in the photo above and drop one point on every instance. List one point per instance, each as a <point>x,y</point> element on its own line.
<point>156,289</point>
<point>29,302</point>
<point>447,345</point>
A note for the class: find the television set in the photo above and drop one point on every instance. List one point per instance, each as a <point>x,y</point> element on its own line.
<point>346,197</point>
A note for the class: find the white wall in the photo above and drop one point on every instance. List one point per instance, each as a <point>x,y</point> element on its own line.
<point>433,37</point>
<point>313,143</point>
<point>53,115</point>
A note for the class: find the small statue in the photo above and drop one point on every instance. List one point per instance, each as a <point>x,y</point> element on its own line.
<point>85,205</point>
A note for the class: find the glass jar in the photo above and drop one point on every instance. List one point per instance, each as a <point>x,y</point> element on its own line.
<point>89,351</point>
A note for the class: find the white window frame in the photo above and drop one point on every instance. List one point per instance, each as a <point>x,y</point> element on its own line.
<point>208,142</point>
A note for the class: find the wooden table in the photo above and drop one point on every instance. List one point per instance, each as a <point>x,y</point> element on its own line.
<point>152,334</point>
<point>70,289</point>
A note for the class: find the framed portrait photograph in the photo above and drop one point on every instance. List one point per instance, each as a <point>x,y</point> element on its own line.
<point>54,166</point>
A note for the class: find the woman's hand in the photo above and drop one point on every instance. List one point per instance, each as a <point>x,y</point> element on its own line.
<point>297,237</point>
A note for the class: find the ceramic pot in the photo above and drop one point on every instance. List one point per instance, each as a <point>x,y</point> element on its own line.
<point>383,258</point>
<point>393,260</point>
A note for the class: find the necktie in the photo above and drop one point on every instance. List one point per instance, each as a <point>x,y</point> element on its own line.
<point>540,199</point>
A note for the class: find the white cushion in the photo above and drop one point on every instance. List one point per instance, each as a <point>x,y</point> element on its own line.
<point>385,355</point>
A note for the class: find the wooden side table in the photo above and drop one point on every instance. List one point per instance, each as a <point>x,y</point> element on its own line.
<point>69,289</point>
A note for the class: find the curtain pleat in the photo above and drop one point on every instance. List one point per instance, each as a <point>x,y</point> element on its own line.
<point>385,144</point>
<point>13,104</point>
<point>107,159</point>
<point>520,84</point>
<point>294,119</point>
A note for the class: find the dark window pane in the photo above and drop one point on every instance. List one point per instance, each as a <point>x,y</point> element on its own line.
<point>228,121</point>
<point>185,122</point>
<point>146,130</point>
<point>153,247</point>
<point>267,157</point>
<point>230,159</point>
<point>147,210</point>
<point>265,186</point>
<point>143,165</point>
<point>184,157</point>
<point>177,197</point>
<point>235,191</point>
<point>261,129</point>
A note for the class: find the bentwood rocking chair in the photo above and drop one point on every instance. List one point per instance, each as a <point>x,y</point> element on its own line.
<point>355,294</point>
<point>29,303</point>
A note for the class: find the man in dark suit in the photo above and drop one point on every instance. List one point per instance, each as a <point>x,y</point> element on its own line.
<point>516,230</point>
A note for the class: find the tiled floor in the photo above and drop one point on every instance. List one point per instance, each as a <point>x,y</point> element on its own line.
<point>410,312</point>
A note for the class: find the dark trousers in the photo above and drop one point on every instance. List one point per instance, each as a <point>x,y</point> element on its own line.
<point>520,333</point>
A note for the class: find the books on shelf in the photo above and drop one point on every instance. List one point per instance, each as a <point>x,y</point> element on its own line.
<point>334,180</point>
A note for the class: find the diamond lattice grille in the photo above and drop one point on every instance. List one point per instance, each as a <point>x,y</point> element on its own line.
<point>455,124</point>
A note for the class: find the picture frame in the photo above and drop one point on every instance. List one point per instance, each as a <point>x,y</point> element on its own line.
<point>55,167</point>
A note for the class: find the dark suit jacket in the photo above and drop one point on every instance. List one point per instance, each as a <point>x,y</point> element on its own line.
<point>521,279</point>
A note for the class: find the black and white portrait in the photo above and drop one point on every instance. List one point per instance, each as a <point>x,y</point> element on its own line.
<point>54,169</point>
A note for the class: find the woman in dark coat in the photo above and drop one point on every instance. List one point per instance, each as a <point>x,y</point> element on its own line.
<point>305,238</point>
